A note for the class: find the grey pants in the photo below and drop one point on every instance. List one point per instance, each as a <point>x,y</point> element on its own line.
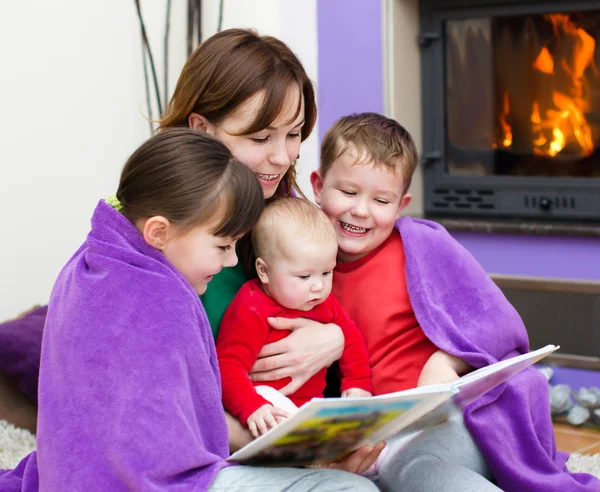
<point>247,478</point>
<point>443,458</point>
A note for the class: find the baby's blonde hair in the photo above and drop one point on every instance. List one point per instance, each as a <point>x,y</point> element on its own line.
<point>289,218</point>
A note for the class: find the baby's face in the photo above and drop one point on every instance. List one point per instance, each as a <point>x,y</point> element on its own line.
<point>299,276</point>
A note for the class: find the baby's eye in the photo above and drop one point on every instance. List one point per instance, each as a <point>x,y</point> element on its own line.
<point>303,277</point>
<point>326,273</point>
<point>260,140</point>
<point>384,202</point>
<point>225,248</point>
<point>348,193</point>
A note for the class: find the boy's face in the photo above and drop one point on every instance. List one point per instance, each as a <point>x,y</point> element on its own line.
<point>362,201</point>
<point>299,276</point>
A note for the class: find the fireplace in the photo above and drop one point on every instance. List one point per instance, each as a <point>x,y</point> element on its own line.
<point>511,108</point>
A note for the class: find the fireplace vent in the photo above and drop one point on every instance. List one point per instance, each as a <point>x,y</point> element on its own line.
<point>559,202</point>
<point>463,199</point>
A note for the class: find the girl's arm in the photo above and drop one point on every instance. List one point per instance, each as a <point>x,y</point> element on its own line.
<point>239,436</point>
<point>309,348</point>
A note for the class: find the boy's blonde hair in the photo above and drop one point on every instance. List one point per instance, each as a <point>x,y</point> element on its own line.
<point>378,139</point>
<point>290,217</point>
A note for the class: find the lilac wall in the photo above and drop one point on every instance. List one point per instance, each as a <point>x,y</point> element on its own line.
<point>350,59</point>
<point>576,258</point>
<point>351,80</point>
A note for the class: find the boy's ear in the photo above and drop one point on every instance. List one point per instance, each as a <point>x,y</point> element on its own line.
<point>317,185</point>
<point>262,269</point>
<point>157,231</point>
<point>198,122</point>
<point>404,202</point>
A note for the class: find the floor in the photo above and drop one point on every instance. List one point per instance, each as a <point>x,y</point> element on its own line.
<point>575,440</point>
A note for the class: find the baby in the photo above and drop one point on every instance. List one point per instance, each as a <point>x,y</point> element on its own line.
<point>296,247</point>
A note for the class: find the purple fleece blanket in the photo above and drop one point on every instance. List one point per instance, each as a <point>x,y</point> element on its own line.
<point>129,398</point>
<point>464,313</point>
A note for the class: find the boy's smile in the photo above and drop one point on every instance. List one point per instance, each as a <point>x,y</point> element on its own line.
<point>362,200</point>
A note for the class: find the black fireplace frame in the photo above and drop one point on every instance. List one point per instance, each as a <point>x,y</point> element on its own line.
<point>557,198</point>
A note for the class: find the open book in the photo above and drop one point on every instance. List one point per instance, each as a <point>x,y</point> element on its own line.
<point>326,429</point>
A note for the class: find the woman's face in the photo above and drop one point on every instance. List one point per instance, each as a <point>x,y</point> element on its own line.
<point>269,153</point>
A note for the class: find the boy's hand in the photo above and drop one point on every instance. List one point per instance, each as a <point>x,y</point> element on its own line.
<point>264,419</point>
<point>442,368</point>
<point>355,393</point>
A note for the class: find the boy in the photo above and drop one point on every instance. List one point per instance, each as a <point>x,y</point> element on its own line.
<point>429,313</point>
<point>295,247</point>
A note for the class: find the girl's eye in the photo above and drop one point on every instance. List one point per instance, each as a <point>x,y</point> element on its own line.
<point>225,248</point>
<point>294,135</point>
<point>348,193</point>
<point>303,277</point>
<point>260,140</point>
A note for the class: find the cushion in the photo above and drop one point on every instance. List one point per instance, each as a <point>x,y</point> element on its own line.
<point>20,349</point>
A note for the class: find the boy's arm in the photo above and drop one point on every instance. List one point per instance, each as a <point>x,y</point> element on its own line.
<point>241,336</point>
<point>442,368</point>
<point>354,362</point>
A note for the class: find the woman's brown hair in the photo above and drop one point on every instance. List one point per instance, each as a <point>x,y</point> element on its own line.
<point>227,69</point>
<point>190,178</point>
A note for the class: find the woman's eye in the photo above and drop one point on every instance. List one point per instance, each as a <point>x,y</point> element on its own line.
<point>348,193</point>
<point>294,135</point>
<point>260,140</point>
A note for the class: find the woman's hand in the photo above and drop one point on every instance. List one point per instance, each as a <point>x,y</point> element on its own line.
<point>360,460</point>
<point>309,348</point>
<point>442,368</point>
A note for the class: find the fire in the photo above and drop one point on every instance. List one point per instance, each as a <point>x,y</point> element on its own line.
<point>565,124</point>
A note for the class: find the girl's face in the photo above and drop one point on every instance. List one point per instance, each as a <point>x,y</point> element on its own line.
<point>270,152</point>
<point>198,255</point>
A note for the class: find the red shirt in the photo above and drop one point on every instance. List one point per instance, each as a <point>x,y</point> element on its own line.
<point>244,331</point>
<point>373,292</point>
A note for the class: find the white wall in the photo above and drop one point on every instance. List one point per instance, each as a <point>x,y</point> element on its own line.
<point>73,101</point>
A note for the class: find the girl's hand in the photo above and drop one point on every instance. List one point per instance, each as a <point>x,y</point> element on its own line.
<point>442,368</point>
<point>264,419</point>
<point>309,348</point>
<point>360,460</point>
<point>355,393</point>
<point>238,434</point>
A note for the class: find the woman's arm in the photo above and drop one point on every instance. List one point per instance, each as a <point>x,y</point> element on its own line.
<point>309,348</point>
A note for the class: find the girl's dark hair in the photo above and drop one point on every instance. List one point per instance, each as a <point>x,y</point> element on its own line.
<point>190,178</point>
<point>230,67</point>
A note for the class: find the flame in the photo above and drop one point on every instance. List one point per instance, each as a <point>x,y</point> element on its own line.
<point>565,124</point>
<point>507,141</point>
<point>544,62</point>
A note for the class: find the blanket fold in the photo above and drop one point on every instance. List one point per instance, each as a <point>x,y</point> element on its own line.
<point>464,313</point>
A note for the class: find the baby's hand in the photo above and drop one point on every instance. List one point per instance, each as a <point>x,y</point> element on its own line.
<point>265,418</point>
<point>355,393</point>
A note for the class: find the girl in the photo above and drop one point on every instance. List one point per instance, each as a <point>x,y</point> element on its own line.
<point>129,395</point>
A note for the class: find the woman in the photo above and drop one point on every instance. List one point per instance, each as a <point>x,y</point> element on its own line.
<point>253,94</point>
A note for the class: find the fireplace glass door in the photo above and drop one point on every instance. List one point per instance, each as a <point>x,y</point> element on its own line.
<point>523,95</point>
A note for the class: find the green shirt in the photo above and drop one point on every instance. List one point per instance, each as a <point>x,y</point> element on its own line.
<point>220,292</point>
